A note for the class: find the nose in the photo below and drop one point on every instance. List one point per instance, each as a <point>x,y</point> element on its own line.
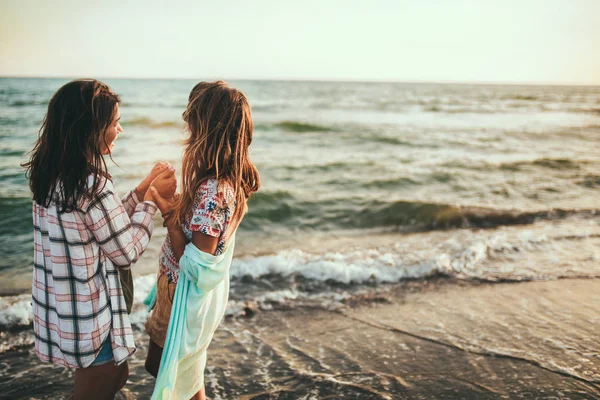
<point>119,128</point>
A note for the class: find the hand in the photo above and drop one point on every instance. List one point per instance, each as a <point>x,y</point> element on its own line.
<point>158,168</point>
<point>165,184</point>
<point>167,215</point>
<point>164,205</point>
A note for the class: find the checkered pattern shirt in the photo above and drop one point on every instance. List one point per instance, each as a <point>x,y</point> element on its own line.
<point>76,293</point>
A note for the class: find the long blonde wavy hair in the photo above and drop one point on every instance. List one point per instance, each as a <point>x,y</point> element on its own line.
<point>219,122</point>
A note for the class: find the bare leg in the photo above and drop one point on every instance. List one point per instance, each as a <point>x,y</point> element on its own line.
<point>200,395</point>
<point>101,382</point>
<point>153,358</point>
<point>153,364</point>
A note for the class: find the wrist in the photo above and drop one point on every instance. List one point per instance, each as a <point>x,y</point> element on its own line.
<point>141,191</point>
<point>148,196</point>
<point>167,217</point>
<point>172,225</point>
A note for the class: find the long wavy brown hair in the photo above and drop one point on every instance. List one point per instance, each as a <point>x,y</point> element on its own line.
<point>70,142</point>
<point>219,123</point>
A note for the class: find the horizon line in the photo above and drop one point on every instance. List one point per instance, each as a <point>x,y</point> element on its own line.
<point>316,80</point>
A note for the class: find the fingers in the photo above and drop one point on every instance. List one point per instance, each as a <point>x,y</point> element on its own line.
<point>162,164</point>
<point>157,195</point>
<point>164,176</point>
<point>163,204</point>
<point>158,199</point>
<point>160,167</point>
<point>165,183</point>
<point>168,172</point>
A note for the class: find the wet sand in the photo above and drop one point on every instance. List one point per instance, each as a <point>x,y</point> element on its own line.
<point>419,340</point>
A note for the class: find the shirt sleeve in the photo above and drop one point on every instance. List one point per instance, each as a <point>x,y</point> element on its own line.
<point>130,202</point>
<point>121,238</point>
<point>210,215</point>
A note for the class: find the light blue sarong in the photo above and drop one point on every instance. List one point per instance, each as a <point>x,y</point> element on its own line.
<point>198,308</point>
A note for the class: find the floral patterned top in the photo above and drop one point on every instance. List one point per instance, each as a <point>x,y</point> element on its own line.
<point>213,211</point>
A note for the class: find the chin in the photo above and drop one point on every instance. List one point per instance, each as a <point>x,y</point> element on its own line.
<point>108,151</point>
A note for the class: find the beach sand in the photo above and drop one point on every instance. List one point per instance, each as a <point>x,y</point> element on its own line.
<point>437,339</point>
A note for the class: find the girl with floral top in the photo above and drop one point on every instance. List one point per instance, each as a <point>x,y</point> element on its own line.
<point>85,237</point>
<point>217,180</point>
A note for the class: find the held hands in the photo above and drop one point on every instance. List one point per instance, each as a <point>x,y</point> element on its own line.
<point>160,186</point>
<point>165,206</point>
<point>165,184</point>
<point>163,187</point>
<point>158,169</point>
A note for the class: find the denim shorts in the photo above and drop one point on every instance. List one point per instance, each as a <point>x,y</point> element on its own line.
<point>106,354</point>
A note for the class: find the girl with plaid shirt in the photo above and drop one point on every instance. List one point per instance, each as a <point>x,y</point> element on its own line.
<point>85,237</point>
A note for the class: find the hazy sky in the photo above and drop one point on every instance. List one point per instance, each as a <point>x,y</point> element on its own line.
<point>545,41</point>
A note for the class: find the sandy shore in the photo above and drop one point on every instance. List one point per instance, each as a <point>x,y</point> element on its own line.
<point>421,340</point>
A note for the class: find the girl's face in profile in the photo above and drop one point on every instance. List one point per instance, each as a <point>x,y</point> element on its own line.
<point>111,133</point>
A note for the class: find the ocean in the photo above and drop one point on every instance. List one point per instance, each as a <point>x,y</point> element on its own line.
<point>364,186</point>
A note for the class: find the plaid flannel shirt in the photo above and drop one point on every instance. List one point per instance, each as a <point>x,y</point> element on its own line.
<point>76,292</point>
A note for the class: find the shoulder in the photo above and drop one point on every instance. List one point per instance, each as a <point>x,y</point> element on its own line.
<point>221,193</point>
<point>105,190</point>
<point>214,198</point>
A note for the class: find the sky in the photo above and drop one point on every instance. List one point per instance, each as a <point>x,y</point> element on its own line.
<point>503,41</point>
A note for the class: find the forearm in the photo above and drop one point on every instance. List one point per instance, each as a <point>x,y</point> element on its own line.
<point>130,202</point>
<point>121,238</point>
<point>142,225</point>
<point>178,239</point>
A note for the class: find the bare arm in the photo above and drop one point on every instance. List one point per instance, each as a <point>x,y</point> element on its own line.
<point>203,242</point>
<point>141,189</point>
<point>178,239</point>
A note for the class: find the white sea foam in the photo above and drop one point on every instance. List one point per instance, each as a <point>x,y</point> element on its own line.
<point>384,266</point>
<point>353,267</point>
<point>15,310</point>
